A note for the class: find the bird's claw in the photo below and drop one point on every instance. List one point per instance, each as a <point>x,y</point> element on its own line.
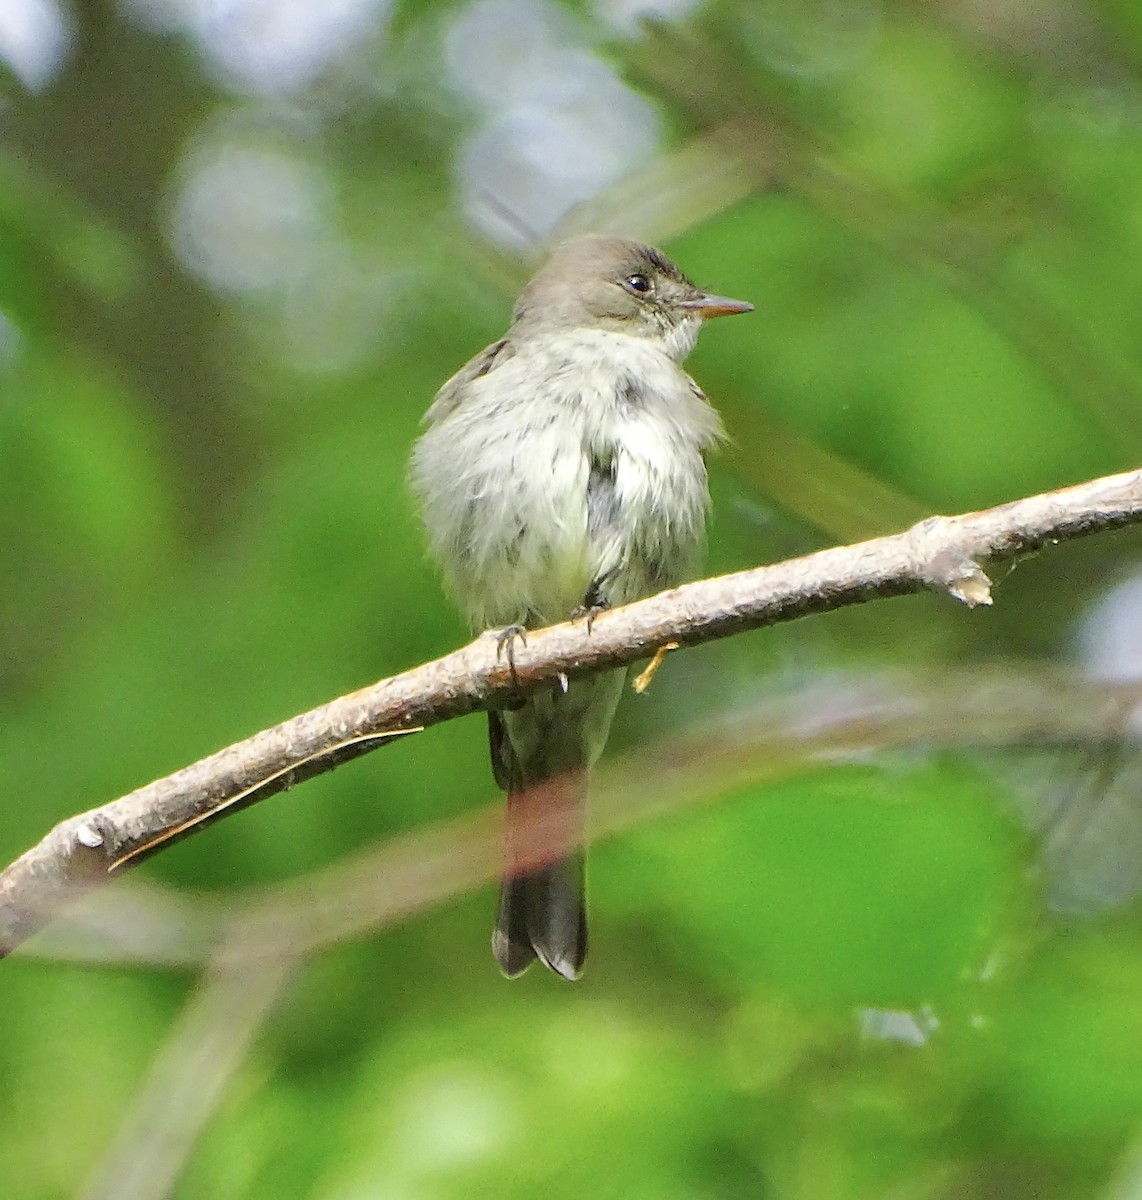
<point>505,646</point>
<point>590,611</point>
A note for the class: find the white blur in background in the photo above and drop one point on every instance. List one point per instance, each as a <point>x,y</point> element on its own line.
<point>1110,637</point>
<point>267,46</point>
<point>34,40</point>
<point>1084,807</point>
<point>248,216</point>
<point>556,126</point>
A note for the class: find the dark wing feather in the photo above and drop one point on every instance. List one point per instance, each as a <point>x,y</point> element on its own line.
<point>452,392</point>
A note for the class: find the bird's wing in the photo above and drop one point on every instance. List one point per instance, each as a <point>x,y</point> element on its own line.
<point>451,393</point>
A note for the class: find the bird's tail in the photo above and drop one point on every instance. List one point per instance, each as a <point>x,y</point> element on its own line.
<point>543,915</point>
<point>542,912</point>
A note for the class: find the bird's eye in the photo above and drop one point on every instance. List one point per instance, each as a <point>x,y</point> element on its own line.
<point>638,283</point>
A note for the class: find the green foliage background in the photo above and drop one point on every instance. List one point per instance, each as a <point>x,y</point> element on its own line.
<point>204,528</point>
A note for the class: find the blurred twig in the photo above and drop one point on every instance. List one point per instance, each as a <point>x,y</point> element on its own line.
<point>1014,707</point>
<point>941,553</point>
<point>189,1077</point>
<point>255,952</point>
<point>970,259</point>
<point>820,487</point>
<point>142,923</point>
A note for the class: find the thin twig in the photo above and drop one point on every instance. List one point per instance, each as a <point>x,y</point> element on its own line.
<point>835,719</point>
<point>942,553</point>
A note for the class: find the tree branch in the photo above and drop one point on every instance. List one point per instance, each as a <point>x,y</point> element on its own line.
<point>942,553</point>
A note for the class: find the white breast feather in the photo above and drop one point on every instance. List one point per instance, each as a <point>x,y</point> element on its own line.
<point>504,477</point>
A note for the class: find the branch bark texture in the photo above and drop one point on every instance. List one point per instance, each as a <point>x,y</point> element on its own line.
<point>946,554</point>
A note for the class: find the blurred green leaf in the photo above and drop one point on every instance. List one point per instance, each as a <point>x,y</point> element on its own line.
<point>847,984</point>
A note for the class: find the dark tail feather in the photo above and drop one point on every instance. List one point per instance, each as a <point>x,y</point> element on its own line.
<point>543,915</point>
<point>543,910</point>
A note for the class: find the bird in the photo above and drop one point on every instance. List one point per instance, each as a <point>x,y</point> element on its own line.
<point>562,472</point>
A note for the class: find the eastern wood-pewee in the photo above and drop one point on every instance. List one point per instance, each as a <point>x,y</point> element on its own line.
<point>562,472</point>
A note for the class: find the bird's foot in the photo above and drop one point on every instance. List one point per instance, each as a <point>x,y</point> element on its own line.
<point>590,610</point>
<point>505,646</point>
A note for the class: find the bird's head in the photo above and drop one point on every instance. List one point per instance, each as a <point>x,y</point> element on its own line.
<point>620,285</point>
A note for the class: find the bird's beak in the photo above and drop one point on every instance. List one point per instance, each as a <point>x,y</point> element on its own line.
<point>707,306</point>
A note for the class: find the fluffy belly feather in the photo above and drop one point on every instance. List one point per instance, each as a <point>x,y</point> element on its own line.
<point>569,484</point>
